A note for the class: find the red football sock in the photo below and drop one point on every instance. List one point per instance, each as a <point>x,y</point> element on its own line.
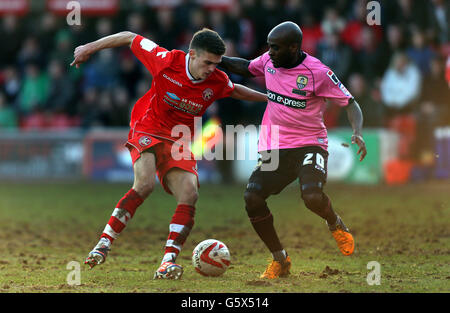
<point>123,212</point>
<point>180,227</point>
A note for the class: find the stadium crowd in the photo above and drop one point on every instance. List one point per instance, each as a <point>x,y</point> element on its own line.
<point>396,70</point>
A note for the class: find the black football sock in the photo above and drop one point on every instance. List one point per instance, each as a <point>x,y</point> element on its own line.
<point>328,213</point>
<point>265,229</point>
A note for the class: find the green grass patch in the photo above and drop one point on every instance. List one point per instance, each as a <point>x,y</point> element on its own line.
<point>405,229</point>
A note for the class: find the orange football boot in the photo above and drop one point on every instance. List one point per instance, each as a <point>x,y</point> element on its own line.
<point>276,269</point>
<point>343,238</point>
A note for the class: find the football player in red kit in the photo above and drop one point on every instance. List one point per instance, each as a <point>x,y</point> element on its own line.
<point>184,85</point>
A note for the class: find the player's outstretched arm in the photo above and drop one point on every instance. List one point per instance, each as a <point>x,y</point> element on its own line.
<point>236,65</point>
<point>82,53</point>
<point>355,117</point>
<point>244,93</point>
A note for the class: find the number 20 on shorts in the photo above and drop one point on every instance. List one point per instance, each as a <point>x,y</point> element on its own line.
<point>319,159</point>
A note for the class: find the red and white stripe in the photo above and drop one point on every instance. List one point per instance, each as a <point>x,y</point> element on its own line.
<point>119,219</point>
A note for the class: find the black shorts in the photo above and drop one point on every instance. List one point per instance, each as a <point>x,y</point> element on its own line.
<point>308,164</point>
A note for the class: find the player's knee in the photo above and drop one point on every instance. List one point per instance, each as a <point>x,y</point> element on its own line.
<point>254,203</point>
<point>144,188</point>
<point>189,194</point>
<point>313,200</point>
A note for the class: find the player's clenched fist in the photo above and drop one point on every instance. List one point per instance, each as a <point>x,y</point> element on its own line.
<point>81,55</point>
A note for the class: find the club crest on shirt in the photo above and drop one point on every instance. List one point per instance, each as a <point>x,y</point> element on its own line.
<point>302,81</point>
<point>145,141</point>
<point>207,94</point>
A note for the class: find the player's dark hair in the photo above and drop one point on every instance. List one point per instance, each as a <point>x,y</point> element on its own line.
<point>209,41</point>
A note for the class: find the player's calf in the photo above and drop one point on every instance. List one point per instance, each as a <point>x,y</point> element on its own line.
<point>319,203</point>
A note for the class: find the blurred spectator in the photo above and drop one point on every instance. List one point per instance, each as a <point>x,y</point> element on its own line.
<point>433,111</point>
<point>217,22</point>
<point>182,13</point>
<point>63,47</point>
<point>130,72</point>
<point>103,70</point>
<point>8,117</point>
<point>47,31</point>
<point>120,114</point>
<point>372,58</point>
<point>434,102</point>
<point>395,38</point>
<point>364,95</point>
<point>332,23</point>
<point>11,83</point>
<point>12,34</point>
<point>104,110</point>
<point>400,89</point>
<point>136,22</point>
<point>400,86</point>
<point>420,53</point>
<point>351,34</point>
<point>312,33</point>
<point>61,89</point>
<point>447,71</point>
<point>34,90</point>
<point>335,55</point>
<point>167,35</point>
<point>104,27</point>
<point>294,10</point>
<point>244,35</point>
<point>88,106</point>
<point>270,16</point>
<point>439,17</point>
<point>412,13</point>
<point>30,52</point>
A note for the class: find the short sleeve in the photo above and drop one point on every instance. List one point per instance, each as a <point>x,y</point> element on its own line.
<point>256,66</point>
<point>330,87</point>
<point>154,57</point>
<point>228,89</point>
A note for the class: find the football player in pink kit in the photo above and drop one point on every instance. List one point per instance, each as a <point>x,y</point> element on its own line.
<point>298,86</point>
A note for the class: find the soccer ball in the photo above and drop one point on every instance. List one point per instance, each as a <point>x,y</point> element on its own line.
<point>211,257</point>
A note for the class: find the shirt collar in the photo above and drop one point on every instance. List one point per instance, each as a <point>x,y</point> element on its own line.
<point>191,78</point>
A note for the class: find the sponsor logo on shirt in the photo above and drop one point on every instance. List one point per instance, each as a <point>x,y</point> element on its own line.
<point>285,100</point>
<point>173,96</point>
<point>343,89</point>
<point>271,70</point>
<point>172,80</point>
<point>302,81</point>
<point>184,105</point>
<point>333,77</point>
<point>299,92</point>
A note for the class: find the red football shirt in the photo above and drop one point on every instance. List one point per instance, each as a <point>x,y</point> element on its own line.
<point>174,98</point>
